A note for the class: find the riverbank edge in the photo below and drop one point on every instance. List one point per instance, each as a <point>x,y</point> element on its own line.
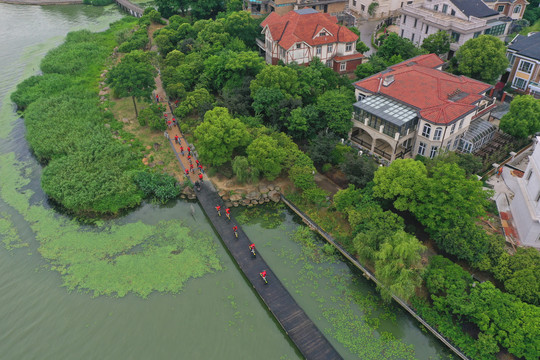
<point>44,2</point>
<point>369,275</point>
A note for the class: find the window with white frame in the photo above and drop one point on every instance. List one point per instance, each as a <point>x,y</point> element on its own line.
<point>500,8</point>
<point>322,33</point>
<point>444,8</point>
<point>436,7</point>
<point>427,28</point>
<point>348,47</point>
<point>453,128</point>
<point>453,12</point>
<point>448,145</point>
<point>437,134</point>
<point>404,19</point>
<point>456,142</point>
<point>511,58</point>
<point>342,66</point>
<point>426,131</point>
<point>461,123</point>
<point>433,151</point>
<point>415,22</point>
<point>298,45</point>
<point>319,50</point>
<point>517,9</point>
<point>283,52</point>
<point>330,48</point>
<point>353,2</point>
<point>525,66</point>
<point>412,38</point>
<point>519,83</point>
<point>421,148</point>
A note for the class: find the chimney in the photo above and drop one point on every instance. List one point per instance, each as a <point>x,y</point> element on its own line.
<point>388,80</point>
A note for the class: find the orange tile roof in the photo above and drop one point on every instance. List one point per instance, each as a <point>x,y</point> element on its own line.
<point>294,27</point>
<point>418,84</point>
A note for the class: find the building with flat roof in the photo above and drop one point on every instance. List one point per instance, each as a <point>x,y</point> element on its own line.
<point>416,108</point>
<point>461,19</point>
<point>264,7</point>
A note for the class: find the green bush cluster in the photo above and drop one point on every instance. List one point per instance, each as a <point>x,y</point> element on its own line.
<point>161,187</point>
<point>152,116</point>
<point>503,321</point>
<point>379,237</point>
<point>87,171</point>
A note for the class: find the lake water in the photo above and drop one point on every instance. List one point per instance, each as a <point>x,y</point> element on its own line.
<point>217,316</point>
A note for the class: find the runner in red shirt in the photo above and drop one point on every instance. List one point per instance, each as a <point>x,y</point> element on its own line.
<point>191,168</point>
<point>218,208</point>
<point>187,172</point>
<point>176,139</point>
<point>182,150</point>
<point>228,213</point>
<point>200,177</point>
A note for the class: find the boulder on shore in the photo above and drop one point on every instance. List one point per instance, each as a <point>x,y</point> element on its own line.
<point>274,196</point>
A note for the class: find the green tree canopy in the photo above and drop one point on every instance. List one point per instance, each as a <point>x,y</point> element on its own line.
<point>483,58</point>
<point>398,264</point>
<point>219,135</point>
<point>438,43</point>
<point>133,76</point>
<point>265,154</point>
<point>396,45</point>
<point>277,77</point>
<point>523,119</point>
<point>335,109</point>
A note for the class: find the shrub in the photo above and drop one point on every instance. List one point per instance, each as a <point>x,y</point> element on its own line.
<point>161,187</point>
<point>326,168</point>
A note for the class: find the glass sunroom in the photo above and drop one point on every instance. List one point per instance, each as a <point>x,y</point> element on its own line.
<point>480,132</point>
<point>393,116</point>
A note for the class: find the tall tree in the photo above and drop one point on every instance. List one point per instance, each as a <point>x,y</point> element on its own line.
<point>335,108</point>
<point>483,58</point>
<point>396,45</point>
<point>398,265</point>
<point>133,76</point>
<point>265,154</point>
<point>438,43</point>
<point>219,135</point>
<point>523,119</point>
<point>206,9</point>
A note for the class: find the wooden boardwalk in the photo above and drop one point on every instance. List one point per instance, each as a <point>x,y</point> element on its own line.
<point>302,331</point>
<point>131,8</point>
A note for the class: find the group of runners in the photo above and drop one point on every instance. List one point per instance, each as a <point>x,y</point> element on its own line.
<point>172,122</point>
<point>235,231</point>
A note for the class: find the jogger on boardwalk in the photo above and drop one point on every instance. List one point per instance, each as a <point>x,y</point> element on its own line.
<point>182,150</point>
<point>191,168</point>
<point>176,139</point>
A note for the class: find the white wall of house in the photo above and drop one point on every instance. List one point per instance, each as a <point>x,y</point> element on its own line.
<point>386,7</point>
<point>525,206</point>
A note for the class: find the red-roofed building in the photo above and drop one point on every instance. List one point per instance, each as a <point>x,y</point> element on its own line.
<point>415,108</point>
<point>301,35</point>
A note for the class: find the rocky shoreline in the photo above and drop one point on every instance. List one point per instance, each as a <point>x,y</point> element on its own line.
<point>235,198</point>
<point>42,2</point>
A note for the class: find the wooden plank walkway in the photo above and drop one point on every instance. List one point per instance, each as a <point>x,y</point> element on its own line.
<point>302,331</point>
<point>130,7</point>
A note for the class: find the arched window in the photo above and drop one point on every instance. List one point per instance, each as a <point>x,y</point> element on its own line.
<point>517,9</point>
<point>426,131</point>
<point>437,134</point>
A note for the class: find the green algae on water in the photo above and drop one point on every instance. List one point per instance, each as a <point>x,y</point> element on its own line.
<point>111,259</point>
<point>354,316</point>
<point>8,233</point>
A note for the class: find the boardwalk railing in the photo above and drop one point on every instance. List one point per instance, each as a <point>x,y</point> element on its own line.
<point>369,275</point>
